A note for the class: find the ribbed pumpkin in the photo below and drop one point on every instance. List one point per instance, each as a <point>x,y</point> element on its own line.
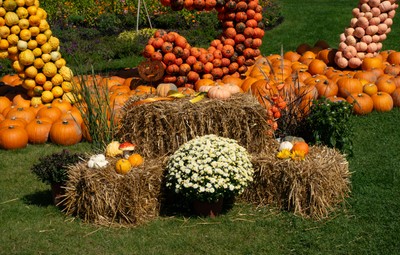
<point>349,86</point>
<point>396,97</point>
<point>38,131</point>
<point>383,102</point>
<point>362,103</point>
<point>65,132</point>
<point>164,88</point>
<point>13,137</point>
<point>53,113</point>
<point>218,92</point>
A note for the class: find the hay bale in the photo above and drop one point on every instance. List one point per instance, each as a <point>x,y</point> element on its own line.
<point>310,188</point>
<point>101,196</point>
<point>159,128</point>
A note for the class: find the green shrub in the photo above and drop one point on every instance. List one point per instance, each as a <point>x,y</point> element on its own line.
<point>53,168</point>
<point>329,124</point>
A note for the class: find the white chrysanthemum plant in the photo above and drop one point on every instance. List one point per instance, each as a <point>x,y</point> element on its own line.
<point>209,168</point>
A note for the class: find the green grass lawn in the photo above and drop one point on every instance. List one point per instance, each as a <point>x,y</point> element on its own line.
<point>368,223</point>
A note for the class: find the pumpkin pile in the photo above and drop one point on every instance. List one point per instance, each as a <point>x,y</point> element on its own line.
<point>20,123</point>
<point>371,22</point>
<point>26,39</point>
<point>231,53</point>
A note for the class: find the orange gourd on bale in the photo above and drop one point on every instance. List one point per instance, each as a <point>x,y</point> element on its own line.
<point>135,159</point>
<point>301,147</point>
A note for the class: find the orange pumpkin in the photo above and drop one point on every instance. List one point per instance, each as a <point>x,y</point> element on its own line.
<point>362,103</point>
<point>123,166</point>
<point>135,159</point>
<point>383,102</point>
<point>38,131</point>
<point>21,113</point>
<point>53,113</point>
<point>349,86</point>
<point>396,97</point>
<point>13,137</point>
<point>65,132</point>
<point>301,146</point>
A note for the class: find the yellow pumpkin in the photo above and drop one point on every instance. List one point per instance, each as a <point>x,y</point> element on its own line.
<point>66,73</point>
<point>54,42</point>
<point>47,96</point>
<point>112,149</point>
<point>57,79</point>
<point>135,159</point>
<point>11,18</point>
<point>25,35</point>
<point>46,48</point>
<point>49,69</point>
<point>31,72</point>
<point>57,91</point>
<point>26,57</point>
<point>123,166</point>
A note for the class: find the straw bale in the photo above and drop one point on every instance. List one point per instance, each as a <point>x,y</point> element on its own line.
<point>159,128</point>
<point>101,196</point>
<point>310,188</point>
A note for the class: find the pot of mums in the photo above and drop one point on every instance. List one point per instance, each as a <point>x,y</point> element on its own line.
<point>207,170</point>
<point>53,169</point>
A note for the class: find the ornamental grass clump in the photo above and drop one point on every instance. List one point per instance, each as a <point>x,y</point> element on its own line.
<point>209,168</point>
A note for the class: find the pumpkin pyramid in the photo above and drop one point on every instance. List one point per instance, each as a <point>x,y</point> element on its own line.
<point>26,39</point>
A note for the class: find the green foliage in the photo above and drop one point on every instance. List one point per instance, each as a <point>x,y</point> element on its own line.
<point>5,67</point>
<point>329,124</point>
<point>96,111</point>
<point>272,13</point>
<point>53,168</point>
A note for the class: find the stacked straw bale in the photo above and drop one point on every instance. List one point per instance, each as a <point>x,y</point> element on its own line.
<point>310,188</point>
<point>159,128</point>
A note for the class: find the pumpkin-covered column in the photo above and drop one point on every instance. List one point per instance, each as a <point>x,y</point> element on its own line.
<point>371,22</point>
<point>232,53</point>
<point>26,39</point>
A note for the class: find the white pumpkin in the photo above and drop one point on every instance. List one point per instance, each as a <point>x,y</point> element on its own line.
<point>97,161</point>
<point>285,145</point>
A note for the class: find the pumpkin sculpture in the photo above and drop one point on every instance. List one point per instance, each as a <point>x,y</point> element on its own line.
<point>232,53</point>
<point>371,22</point>
<point>32,48</point>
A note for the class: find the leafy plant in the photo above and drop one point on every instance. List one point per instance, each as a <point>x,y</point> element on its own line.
<point>329,124</point>
<point>96,110</point>
<point>53,168</point>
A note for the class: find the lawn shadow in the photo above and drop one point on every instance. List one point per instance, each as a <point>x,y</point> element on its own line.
<point>41,198</point>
